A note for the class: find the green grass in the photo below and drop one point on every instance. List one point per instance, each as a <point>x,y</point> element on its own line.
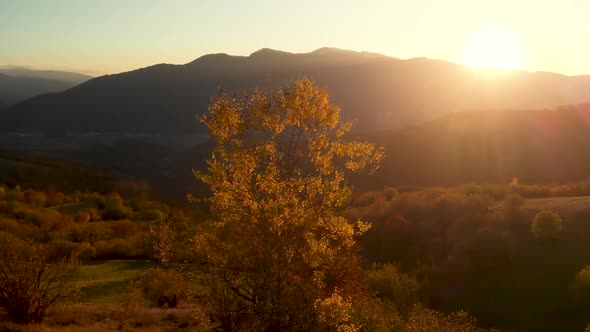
<point>105,282</point>
<point>559,204</point>
<point>576,204</point>
<point>74,207</point>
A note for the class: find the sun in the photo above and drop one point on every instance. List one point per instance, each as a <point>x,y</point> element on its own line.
<point>493,47</point>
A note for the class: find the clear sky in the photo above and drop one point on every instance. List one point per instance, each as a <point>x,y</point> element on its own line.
<point>108,36</point>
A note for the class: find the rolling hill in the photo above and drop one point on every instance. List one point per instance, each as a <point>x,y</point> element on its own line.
<point>375,91</point>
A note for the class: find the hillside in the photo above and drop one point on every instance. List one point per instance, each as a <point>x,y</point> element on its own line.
<point>374,91</point>
<point>546,146</point>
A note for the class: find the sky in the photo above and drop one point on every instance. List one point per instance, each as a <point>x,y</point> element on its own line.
<point>109,36</point>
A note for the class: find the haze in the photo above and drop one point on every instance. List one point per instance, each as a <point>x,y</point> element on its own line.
<point>109,36</point>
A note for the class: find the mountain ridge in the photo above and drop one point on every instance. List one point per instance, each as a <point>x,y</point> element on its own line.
<point>374,91</point>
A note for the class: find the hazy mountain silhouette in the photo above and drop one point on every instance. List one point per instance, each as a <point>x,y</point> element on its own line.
<point>14,89</point>
<point>19,83</point>
<point>56,75</point>
<point>548,146</point>
<point>376,91</point>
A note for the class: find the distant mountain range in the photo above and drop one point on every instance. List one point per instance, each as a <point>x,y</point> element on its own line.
<point>375,91</point>
<point>18,83</point>
<point>440,123</point>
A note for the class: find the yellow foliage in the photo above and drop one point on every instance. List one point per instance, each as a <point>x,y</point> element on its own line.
<point>277,174</point>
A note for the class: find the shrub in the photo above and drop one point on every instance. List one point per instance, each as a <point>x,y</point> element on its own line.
<point>374,314</point>
<point>335,313</point>
<point>166,287</point>
<point>547,225</point>
<point>389,283</point>
<point>29,285</point>
<point>82,217</point>
<point>580,287</point>
<point>64,248</point>
<point>123,228</point>
<point>422,319</point>
<point>150,215</point>
<point>55,198</point>
<point>114,208</point>
<point>34,198</point>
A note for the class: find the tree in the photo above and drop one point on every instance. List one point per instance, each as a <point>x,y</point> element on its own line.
<point>547,225</point>
<point>29,282</point>
<point>277,178</point>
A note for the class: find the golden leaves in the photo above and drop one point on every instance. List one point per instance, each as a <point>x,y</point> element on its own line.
<point>276,177</point>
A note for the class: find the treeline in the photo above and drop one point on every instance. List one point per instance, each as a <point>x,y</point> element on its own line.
<point>507,259</point>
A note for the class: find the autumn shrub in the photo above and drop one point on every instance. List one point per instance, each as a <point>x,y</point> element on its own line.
<point>334,313</point>
<point>55,198</point>
<point>547,225</point>
<point>123,228</point>
<point>29,282</point>
<point>166,287</point>
<point>421,319</point>
<point>114,208</point>
<point>65,248</point>
<point>580,286</point>
<point>371,313</point>
<point>137,247</point>
<point>389,283</point>
<point>94,214</point>
<point>34,198</point>
<point>14,195</point>
<point>82,217</point>
<point>115,249</point>
<point>149,215</point>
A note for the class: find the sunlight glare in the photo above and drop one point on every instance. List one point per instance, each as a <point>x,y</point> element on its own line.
<point>493,47</point>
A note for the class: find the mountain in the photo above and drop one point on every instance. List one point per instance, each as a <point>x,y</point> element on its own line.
<point>15,89</point>
<point>55,75</point>
<point>18,84</point>
<point>376,92</point>
<point>546,146</point>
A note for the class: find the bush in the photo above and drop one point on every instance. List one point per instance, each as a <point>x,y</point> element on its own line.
<point>374,314</point>
<point>166,287</point>
<point>422,319</point>
<point>547,225</point>
<point>114,208</point>
<point>29,285</point>
<point>34,198</point>
<point>389,283</point>
<point>82,217</point>
<point>580,287</point>
<point>64,248</point>
<point>150,215</point>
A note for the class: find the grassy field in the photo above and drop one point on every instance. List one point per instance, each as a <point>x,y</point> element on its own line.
<point>105,282</point>
<point>559,204</point>
<point>72,208</point>
<point>576,204</point>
